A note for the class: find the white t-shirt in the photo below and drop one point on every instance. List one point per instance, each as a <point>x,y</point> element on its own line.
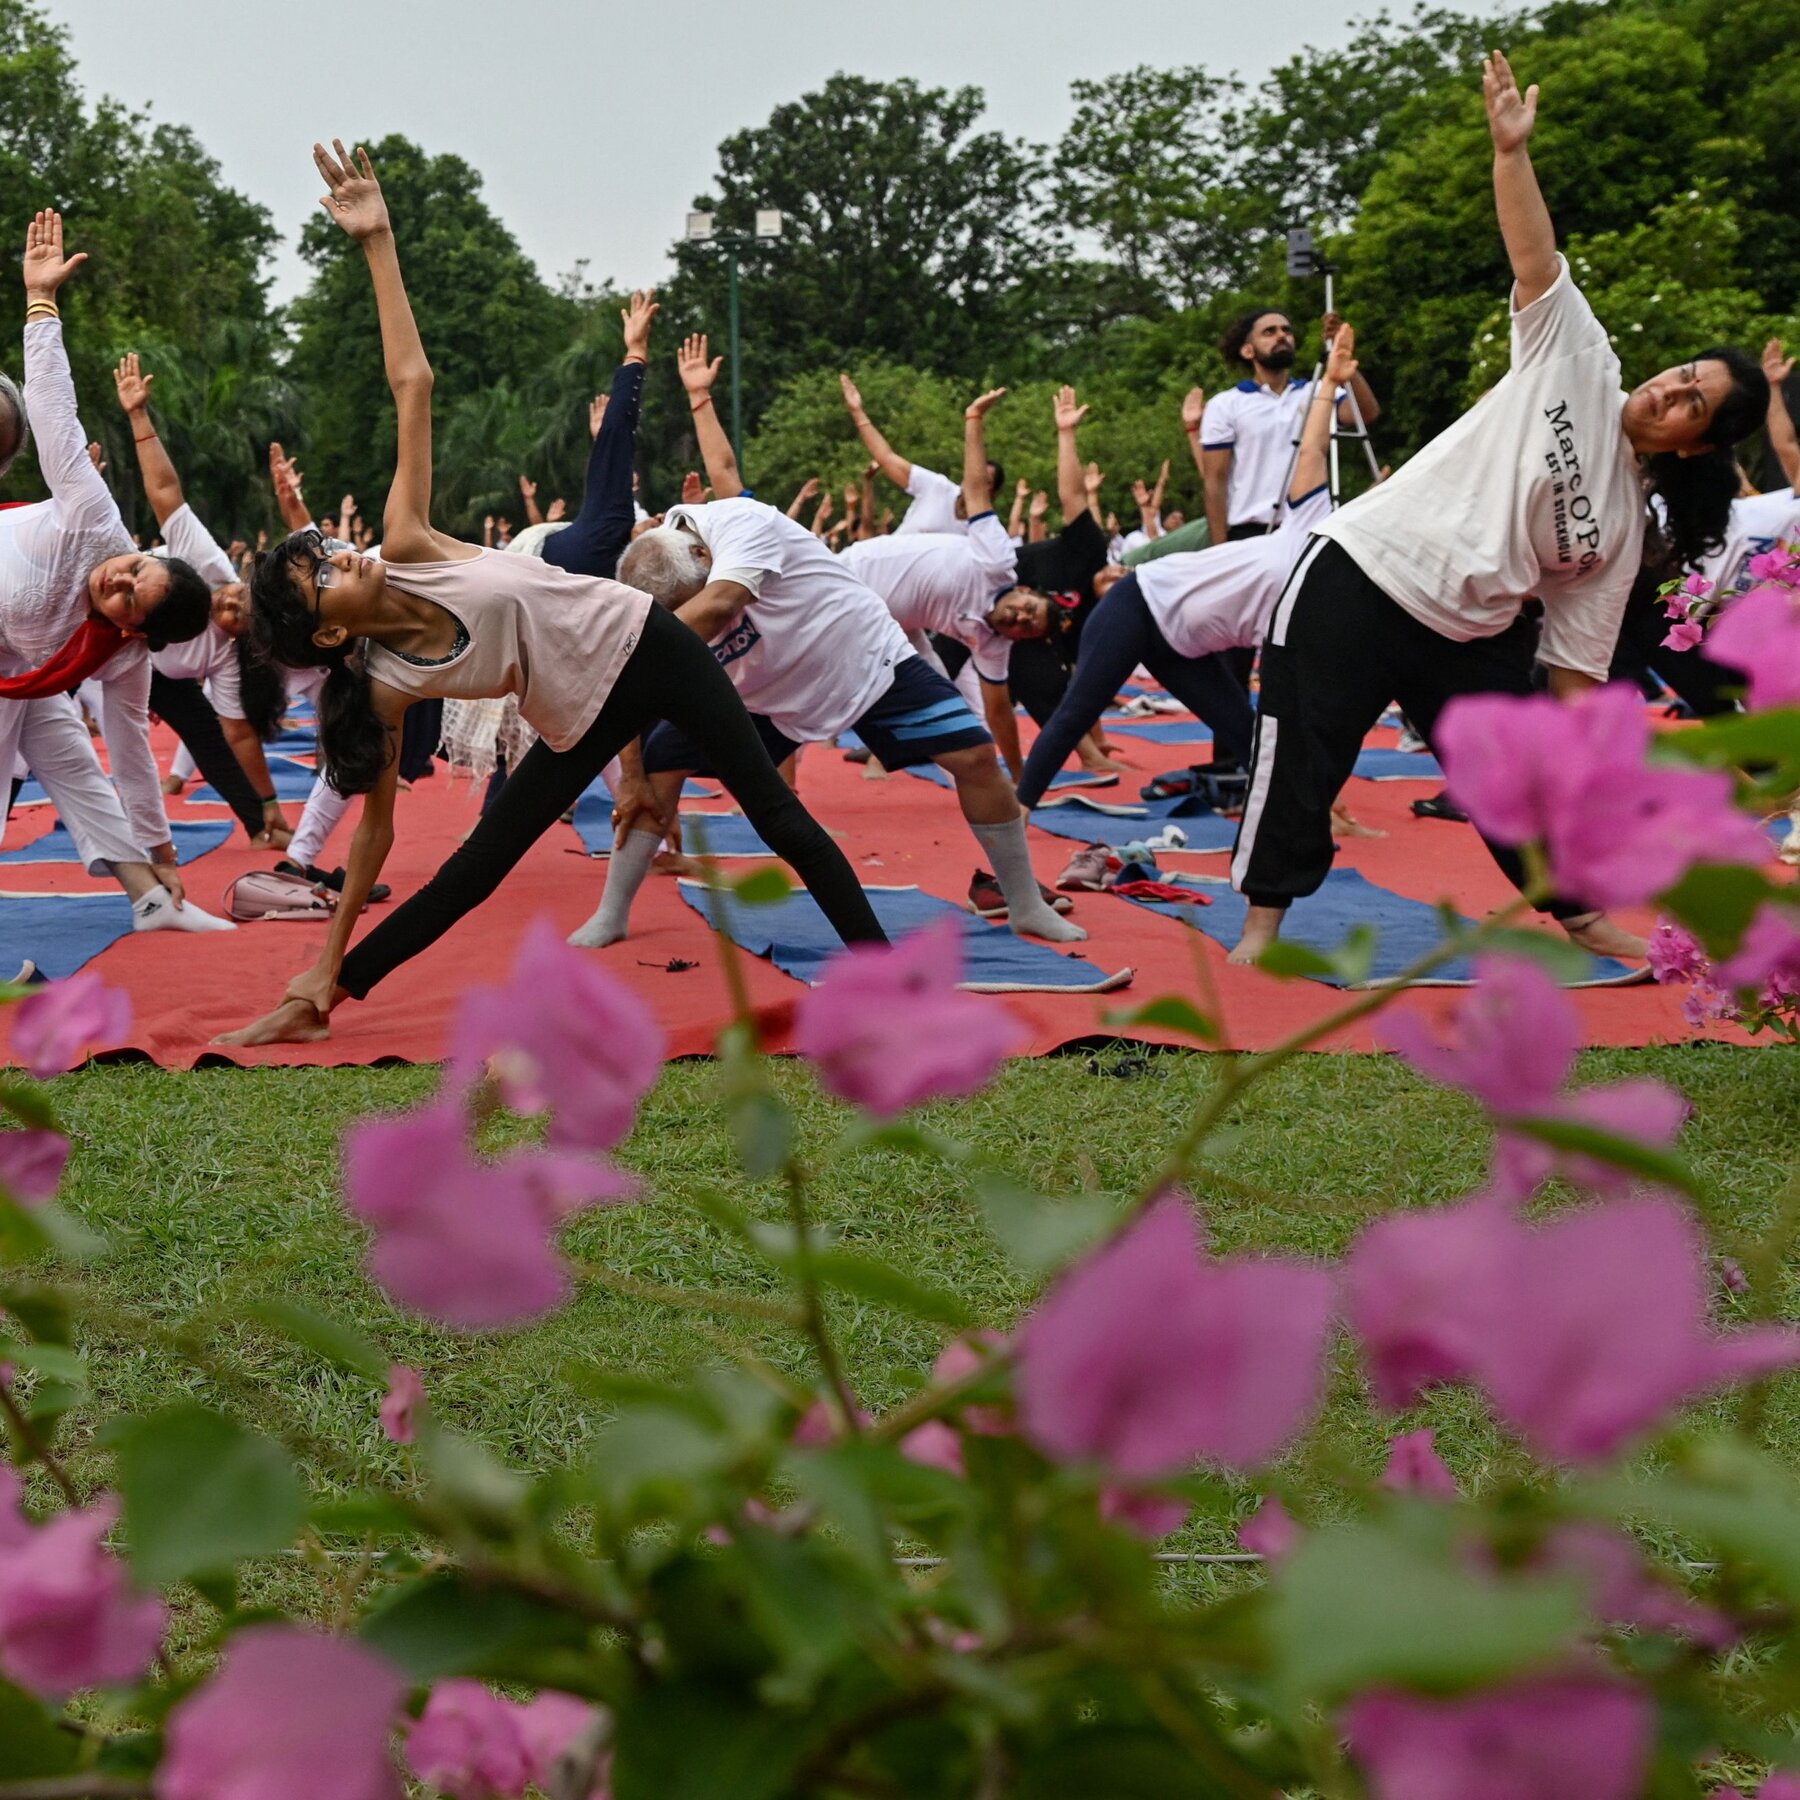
<point>814,648</point>
<point>1260,428</point>
<point>212,656</point>
<point>1221,598</point>
<point>1758,523</point>
<point>1533,491</point>
<point>934,499</point>
<point>946,582</point>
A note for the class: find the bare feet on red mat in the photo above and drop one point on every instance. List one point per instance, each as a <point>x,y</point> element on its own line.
<point>292,1022</point>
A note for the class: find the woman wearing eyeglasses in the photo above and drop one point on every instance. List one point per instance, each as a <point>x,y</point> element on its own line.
<point>592,663</point>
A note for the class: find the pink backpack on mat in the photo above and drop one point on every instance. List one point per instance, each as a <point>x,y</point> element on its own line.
<point>269,894</point>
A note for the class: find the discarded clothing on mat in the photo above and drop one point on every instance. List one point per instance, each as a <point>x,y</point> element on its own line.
<point>1407,929</point>
<point>794,935</point>
<point>1204,829</point>
<point>60,932</point>
<point>191,838</point>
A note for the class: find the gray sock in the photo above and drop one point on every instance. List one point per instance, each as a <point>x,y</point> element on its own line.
<point>625,872</point>
<point>1026,909</point>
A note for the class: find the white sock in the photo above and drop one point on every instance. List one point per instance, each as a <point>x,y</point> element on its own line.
<point>625,872</point>
<point>1026,911</point>
<point>157,911</point>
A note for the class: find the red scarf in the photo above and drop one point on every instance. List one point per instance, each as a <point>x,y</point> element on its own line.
<point>89,649</point>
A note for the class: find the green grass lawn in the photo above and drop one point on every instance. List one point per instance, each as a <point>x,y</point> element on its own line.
<point>220,1186</point>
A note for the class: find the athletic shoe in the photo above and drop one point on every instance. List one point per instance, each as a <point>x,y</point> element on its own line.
<point>157,911</point>
<point>1139,706</point>
<point>987,902</point>
<point>333,879</point>
<point>1439,806</point>
<point>1176,785</point>
<point>29,975</point>
<point>1410,741</point>
<point>1086,873</point>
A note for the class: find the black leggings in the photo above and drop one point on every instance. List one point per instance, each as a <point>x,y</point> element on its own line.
<point>1338,650</point>
<point>670,675</point>
<point>1708,687</point>
<point>183,706</point>
<point>1120,634</point>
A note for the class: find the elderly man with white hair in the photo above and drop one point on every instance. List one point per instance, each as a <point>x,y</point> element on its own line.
<point>812,653</point>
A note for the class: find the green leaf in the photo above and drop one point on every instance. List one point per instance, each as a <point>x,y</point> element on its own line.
<point>903,1135</point>
<point>1355,956</point>
<point>43,1311</point>
<point>29,1105</point>
<point>763,1131</point>
<point>1662,1166</point>
<point>871,1279</point>
<point>1172,1013</point>
<point>23,1235</point>
<point>55,1362</point>
<point>803,1602</point>
<point>202,1492</point>
<point>766,887</point>
<point>1552,952</point>
<point>1735,739</point>
<point>1040,1234</point>
<point>693,1740</point>
<point>1287,959</point>
<point>1361,1605</point>
<point>454,1625</point>
<point>1716,902</point>
<point>654,1458</point>
<point>336,1343</point>
<point>32,1744</point>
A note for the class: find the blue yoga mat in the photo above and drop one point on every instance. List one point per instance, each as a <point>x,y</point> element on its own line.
<point>294,739</point>
<point>1398,765</point>
<point>1408,928</point>
<point>293,781</point>
<point>723,834</point>
<point>793,934</point>
<point>593,814</point>
<point>1065,778</point>
<point>32,794</point>
<point>191,838</point>
<point>1205,829</point>
<point>1163,731</point>
<point>60,932</point>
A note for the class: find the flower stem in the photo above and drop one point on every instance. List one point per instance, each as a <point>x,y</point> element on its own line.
<point>29,1436</point>
<point>811,1304</point>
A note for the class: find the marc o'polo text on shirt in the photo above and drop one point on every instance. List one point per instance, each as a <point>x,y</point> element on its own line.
<point>1577,530</point>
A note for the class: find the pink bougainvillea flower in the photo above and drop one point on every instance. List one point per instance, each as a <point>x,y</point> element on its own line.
<point>289,1715</point>
<point>959,1359</point>
<point>820,1425</point>
<point>460,1240</point>
<point>1780,1787</point>
<point>566,1037</point>
<point>1415,1288</point>
<point>55,1028</point>
<point>1697,587</point>
<point>1270,1532</point>
<point>1516,1038</point>
<point>1675,955</point>
<point>934,1445</point>
<point>1759,634</point>
<point>1684,634</point>
<point>1414,1467</point>
<point>1644,1109</point>
<point>1621,1589</point>
<point>32,1163</point>
<point>549,1728</point>
<point>402,1404</point>
<point>69,1617</point>
<point>1769,953</point>
<point>1147,1357</point>
<point>1779,565</point>
<point>888,1028</point>
<point>1593,1328</point>
<point>1573,1737</point>
<point>467,1743</point>
<point>1151,1515</point>
<point>1573,777</point>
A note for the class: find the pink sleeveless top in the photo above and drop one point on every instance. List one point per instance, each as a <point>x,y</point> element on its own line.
<point>556,640</point>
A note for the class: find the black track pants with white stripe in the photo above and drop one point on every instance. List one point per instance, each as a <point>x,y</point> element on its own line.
<point>1337,652</point>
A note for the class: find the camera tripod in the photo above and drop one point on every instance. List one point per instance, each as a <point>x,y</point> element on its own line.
<point>1303,261</point>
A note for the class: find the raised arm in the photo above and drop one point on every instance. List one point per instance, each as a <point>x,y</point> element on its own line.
<point>1365,401</point>
<point>865,524</point>
<point>893,465</point>
<point>977,493</point>
<point>1518,200</point>
<point>1071,490</point>
<point>1015,526</point>
<point>534,514</point>
<point>162,486</point>
<point>1193,411</point>
<point>355,203</point>
<point>1311,460</point>
<point>808,489</point>
<point>290,500</point>
<point>1778,366</point>
<point>698,373</point>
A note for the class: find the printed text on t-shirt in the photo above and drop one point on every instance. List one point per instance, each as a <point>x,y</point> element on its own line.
<point>1577,531</point>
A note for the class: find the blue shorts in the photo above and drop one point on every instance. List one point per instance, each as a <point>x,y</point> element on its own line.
<point>921,716</point>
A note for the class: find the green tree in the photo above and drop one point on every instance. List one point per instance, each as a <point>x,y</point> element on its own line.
<point>485,314</point>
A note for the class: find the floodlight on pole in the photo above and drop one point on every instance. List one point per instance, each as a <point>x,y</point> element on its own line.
<point>768,223</point>
<point>703,229</point>
<point>700,227</point>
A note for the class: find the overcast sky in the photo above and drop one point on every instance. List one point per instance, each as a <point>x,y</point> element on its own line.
<point>594,123</point>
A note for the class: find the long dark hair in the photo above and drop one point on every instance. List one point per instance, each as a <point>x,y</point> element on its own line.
<point>1697,491</point>
<point>355,744</point>
<point>261,690</point>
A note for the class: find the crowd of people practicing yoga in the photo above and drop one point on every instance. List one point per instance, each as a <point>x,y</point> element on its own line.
<point>1524,546</point>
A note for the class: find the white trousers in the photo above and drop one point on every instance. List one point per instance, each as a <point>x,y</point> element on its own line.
<point>325,806</point>
<point>48,737</point>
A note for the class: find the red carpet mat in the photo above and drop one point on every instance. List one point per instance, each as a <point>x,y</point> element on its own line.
<point>185,990</point>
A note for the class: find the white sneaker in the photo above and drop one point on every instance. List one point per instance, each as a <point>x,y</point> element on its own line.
<point>1411,742</point>
<point>157,911</point>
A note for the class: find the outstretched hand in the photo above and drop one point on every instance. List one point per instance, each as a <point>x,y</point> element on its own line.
<point>597,414</point>
<point>46,268</point>
<point>1511,115</point>
<point>1069,411</point>
<point>1340,364</point>
<point>1040,504</point>
<point>1776,364</point>
<point>133,384</point>
<point>97,457</point>
<point>1193,409</point>
<point>637,318</point>
<point>282,473</point>
<point>852,394</point>
<point>692,493</point>
<point>1093,479</point>
<point>698,371</point>
<point>355,201</point>
<point>983,404</point>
